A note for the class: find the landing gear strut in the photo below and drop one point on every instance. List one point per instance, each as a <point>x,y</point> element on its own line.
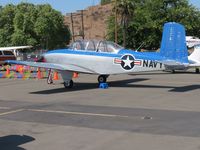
<point>68,84</point>
<point>173,71</point>
<point>50,78</point>
<point>102,78</point>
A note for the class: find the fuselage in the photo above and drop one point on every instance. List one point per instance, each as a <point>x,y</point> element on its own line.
<point>124,61</point>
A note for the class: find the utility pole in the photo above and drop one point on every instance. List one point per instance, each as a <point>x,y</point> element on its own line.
<point>83,32</point>
<point>72,22</point>
<point>79,13</point>
<point>116,39</point>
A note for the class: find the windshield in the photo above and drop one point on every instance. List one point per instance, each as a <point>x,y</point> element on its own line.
<point>95,45</point>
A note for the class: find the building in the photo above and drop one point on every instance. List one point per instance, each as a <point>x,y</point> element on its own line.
<point>94,22</point>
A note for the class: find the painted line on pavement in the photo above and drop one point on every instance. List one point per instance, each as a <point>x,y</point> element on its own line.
<point>67,112</point>
<point>11,112</point>
<point>77,113</point>
<point>5,108</point>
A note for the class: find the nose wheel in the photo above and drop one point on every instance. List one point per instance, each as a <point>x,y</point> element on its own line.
<point>68,84</point>
<point>102,78</point>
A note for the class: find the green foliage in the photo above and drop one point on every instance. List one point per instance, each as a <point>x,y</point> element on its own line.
<point>6,25</point>
<point>103,2</point>
<point>146,22</point>
<point>125,10</point>
<point>24,20</point>
<point>37,25</point>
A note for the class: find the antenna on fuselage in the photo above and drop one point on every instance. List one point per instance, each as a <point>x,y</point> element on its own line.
<point>139,46</point>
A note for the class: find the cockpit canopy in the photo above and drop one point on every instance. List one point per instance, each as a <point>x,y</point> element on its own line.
<point>96,46</point>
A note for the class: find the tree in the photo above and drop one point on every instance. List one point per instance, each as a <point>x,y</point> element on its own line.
<point>24,20</point>
<point>29,24</point>
<point>125,9</point>
<point>146,22</point>
<point>6,24</point>
<point>50,27</point>
<point>103,2</point>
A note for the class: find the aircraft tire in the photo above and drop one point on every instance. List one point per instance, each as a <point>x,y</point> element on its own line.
<point>102,78</point>
<point>69,84</point>
<point>173,71</point>
<point>49,81</point>
<point>197,70</point>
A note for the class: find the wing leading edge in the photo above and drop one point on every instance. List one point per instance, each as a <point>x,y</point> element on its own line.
<point>60,67</point>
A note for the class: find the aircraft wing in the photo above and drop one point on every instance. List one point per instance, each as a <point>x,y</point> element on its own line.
<point>61,67</point>
<point>15,47</point>
<point>194,65</point>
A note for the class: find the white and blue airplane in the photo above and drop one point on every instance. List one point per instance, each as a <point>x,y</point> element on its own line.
<point>105,58</point>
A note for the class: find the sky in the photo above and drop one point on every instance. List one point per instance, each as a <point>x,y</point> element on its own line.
<point>67,6</point>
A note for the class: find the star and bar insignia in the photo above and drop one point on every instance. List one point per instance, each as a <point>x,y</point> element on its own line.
<point>127,62</point>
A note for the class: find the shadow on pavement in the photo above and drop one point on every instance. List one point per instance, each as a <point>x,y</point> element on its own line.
<point>129,83</point>
<point>89,86</point>
<point>185,88</point>
<point>12,142</point>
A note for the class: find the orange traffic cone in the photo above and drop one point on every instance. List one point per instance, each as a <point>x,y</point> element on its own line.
<point>17,68</point>
<point>55,76</point>
<point>39,76</point>
<point>75,75</point>
<point>7,72</point>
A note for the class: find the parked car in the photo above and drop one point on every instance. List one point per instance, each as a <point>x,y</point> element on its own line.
<point>6,55</point>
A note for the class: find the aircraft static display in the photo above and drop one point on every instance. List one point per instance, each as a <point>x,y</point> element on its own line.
<point>191,41</point>
<point>15,49</point>
<point>105,58</point>
<point>194,58</point>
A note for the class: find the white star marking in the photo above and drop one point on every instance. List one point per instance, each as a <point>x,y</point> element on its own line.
<point>127,62</point>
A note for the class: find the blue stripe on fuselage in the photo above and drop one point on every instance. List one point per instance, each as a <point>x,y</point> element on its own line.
<point>137,55</point>
<point>82,52</point>
<point>143,55</point>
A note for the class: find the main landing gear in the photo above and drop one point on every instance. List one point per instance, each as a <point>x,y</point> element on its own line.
<point>68,84</point>
<point>102,81</point>
<point>102,78</point>
<point>67,78</point>
<point>197,70</point>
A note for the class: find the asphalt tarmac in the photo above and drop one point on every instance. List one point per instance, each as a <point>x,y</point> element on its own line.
<point>151,111</point>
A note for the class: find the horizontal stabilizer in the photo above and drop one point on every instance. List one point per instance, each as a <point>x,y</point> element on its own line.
<point>195,56</point>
